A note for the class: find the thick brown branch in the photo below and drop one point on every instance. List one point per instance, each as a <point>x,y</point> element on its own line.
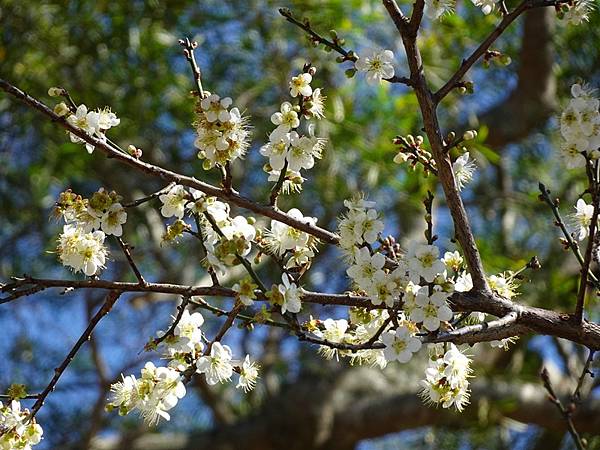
<point>427,104</point>
<point>530,319</point>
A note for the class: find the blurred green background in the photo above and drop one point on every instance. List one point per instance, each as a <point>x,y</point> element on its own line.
<point>125,55</point>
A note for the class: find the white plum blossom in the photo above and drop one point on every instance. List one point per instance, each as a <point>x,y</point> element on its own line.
<point>291,295</point>
<point>582,219</point>
<point>502,285</point>
<point>335,331</point>
<point>300,85</point>
<point>222,133</point>
<point>463,169</point>
<point>107,119</point>
<point>217,366</point>
<point>94,123</point>
<point>82,251</point>
<point>431,310</point>
<point>316,104</point>
<point>286,119</point>
<point>503,343</point>
<point>453,260</point>
<point>17,431</point>
<point>245,291</point>
<point>216,108</point>
<point>434,9</point>
<point>166,390</point>
<point>113,220</point>
<point>85,120</point>
<point>248,375</point>
<point>173,202</point>
<point>377,65</point>
<point>282,237</point>
<point>400,344</point>
<point>463,283</point>
<point>365,267</point>
<point>487,6</point>
<point>382,289</point>
<point>361,224</point>
<point>188,332</point>
<point>580,126</point>
<point>423,261</point>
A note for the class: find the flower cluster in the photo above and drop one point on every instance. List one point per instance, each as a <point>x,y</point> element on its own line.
<point>362,326</point>
<point>88,221</point>
<point>225,238</point>
<point>580,127</point>
<point>446,379</point>
<point>17,431</point>
<point>82,251</point>
<point>103,211</point>
<point>288,150</point>
<point>159,388</point>
<point>359,226</point>
<point>95,123</point>
<point>157,391</point>
<point>222,132</point>
<point>285,241</point>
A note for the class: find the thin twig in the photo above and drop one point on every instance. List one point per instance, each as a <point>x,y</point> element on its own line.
<point>316,37</point>
<point>566,413</point>
<point>585,270</point>
<point>111,298</point>
<point>200,236</point>
<point>127,251</point>
<point>188,51</point>
<point>277,187</point>
<point>200,303</point>
<point>507,19</point>
<point>247,265</point>
<point>571,243</point>
<point>148,198</point>
<point>171,331</point>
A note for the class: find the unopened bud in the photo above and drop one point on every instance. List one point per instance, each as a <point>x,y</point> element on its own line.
<point>134,151</point>
<point>505,60</point>
<point>61,109</point>
<point>469,135</point>
<point>55,92</point>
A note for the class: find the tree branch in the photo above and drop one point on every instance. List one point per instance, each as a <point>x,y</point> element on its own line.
<point>167,175</point>
<point>111,298</point>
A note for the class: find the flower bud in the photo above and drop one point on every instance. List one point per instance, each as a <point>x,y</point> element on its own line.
<point>55,92</point>
<point>469,135</point>
<point>61,109</point>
